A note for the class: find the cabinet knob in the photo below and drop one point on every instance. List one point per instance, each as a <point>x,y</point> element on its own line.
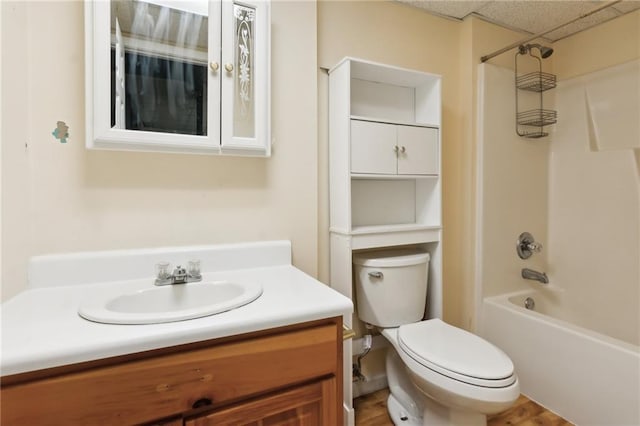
<point>228,67</point>
<point>403,149</point>
<point>214,66</point>
<point>395,149</point>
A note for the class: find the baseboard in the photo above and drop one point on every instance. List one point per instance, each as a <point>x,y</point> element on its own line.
<point>370,385</point>
<point>349,415</point>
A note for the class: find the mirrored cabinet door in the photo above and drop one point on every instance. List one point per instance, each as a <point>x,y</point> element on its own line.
<point>159,56</point>
<point>156,76</point>
<point>246,72</point>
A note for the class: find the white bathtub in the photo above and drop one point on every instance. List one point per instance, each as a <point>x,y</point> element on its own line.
<point>586,377</point>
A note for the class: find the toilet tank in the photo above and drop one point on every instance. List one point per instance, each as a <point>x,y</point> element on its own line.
<point>391,286</point>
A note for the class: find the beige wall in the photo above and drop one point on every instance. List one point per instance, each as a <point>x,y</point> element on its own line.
<point>513,189</point>
<point>61,197</point>
<point>612,43</point>
<point>1,115</point>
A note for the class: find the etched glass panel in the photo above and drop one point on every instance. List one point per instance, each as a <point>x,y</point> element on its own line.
<point>244,63</point>
<point>159,65</point>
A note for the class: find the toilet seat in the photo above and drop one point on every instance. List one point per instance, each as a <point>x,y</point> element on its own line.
<point>456,353</point>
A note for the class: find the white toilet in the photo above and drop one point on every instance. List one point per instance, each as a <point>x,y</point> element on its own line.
<point>438,374</point>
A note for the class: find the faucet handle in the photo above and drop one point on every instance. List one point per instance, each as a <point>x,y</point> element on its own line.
<point>162,270</point>
<point>535,247</point>
<point>527,245</point>
<point>163,277</point>
<point>193,268</point>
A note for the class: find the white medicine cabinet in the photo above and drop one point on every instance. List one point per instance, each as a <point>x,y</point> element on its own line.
<point>190,76</point>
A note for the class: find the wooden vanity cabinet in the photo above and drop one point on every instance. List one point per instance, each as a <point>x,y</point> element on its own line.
<point>303,406</point>
<point>291,375</point>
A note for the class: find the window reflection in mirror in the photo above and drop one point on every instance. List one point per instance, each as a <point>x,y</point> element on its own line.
<point>159,65</point>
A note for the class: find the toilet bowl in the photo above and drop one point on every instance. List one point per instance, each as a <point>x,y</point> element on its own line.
<point>465,377</point>
<point>438,374</point>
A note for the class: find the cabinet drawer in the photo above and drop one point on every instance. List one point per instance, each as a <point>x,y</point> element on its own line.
<point>303,406</point>
<point>144,390</point>
<point>373,147</point>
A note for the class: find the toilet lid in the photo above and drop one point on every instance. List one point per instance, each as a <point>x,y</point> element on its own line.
<point>456,353</point>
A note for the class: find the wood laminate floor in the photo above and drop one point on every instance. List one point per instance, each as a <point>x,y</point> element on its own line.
<point>371,410</point>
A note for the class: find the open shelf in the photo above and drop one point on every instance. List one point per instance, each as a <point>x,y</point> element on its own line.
<point>536,81</point>
<point>537,117</point>
<point>382,229</point>
<point>393,235</point>
<point>394,203</point>
<point>534,135</point>
<point>365,176</point>
<point>391,121</point>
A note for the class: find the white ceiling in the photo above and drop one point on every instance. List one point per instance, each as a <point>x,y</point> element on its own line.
<point>529,16</point>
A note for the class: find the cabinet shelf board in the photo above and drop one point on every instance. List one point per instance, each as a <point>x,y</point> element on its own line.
<point>381,229</point>
<point>388,74</point>
<point>363,176</point>
<point>391,121</point>
<point>393,235</point>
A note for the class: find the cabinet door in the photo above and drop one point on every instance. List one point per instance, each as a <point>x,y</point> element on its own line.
<point>149,85</point>
<point>245,75</point>
<point>308,405</point>
<point>418,150</point>
<point>373,148</point>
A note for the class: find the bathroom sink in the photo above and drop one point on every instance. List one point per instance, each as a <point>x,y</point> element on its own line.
<point>179,302</point>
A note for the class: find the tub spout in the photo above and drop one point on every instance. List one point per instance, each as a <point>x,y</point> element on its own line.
<point>530,274</point>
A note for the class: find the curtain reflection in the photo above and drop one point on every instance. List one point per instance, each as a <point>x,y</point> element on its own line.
<point>165,67</point>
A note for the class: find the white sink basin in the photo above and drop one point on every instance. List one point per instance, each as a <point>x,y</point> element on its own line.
<point>170,303</point>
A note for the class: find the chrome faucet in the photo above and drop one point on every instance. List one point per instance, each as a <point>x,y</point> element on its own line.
<point>179,275</point>
<point>530,274</point>
<point>527,245</point>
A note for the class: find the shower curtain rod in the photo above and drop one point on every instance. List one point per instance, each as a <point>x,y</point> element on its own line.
<point>540,34</point>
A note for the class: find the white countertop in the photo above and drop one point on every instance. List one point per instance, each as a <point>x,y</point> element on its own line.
<point>41,327</point>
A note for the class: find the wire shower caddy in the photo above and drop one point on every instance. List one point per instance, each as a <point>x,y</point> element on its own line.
<point>530,123</point>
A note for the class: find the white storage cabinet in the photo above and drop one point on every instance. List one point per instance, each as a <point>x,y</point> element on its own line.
<point>384,172</point>
<point>382,148</point>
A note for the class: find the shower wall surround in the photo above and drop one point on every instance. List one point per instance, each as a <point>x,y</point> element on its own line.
<point>575,191</point>
<point>580,196</point>
<point>594,207</point>
<point>513,175</point>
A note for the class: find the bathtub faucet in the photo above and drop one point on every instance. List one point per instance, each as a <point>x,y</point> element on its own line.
<point>530,274</point>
